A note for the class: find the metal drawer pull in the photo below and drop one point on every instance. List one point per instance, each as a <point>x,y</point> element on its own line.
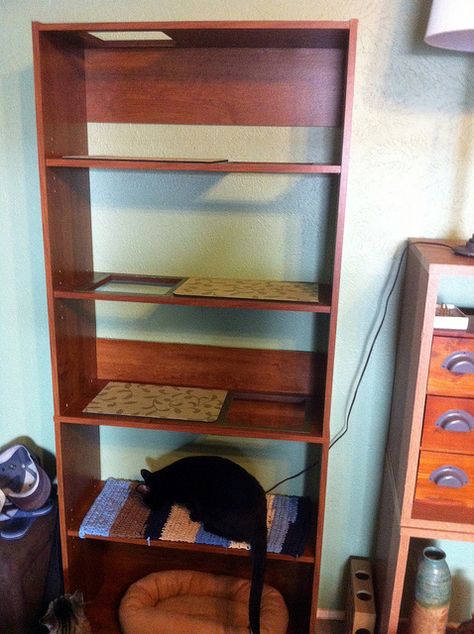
<point>457,420</point>
<point>448,476</point>
<point>459,362</point>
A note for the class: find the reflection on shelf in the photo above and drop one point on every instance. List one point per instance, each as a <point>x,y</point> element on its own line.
<point>117,287</point>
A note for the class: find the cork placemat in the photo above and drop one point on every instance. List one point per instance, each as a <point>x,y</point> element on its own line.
<point>158,401</point>
<point>249,289</point>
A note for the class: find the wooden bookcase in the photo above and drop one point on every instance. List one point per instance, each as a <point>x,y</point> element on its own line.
<point>429,429</point>
<point>276,74</point>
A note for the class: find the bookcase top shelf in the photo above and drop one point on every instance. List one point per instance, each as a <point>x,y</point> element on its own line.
<point>247,34</point>
<point>228,73</point>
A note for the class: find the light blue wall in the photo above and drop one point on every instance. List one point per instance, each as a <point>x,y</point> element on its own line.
<point>411,175</point>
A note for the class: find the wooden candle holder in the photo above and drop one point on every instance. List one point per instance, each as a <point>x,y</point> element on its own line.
<point>360,608</point>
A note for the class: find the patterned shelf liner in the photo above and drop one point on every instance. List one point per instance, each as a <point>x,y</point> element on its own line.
<point>118,511</point>
<point>249,289</point>
<point>158,401</point>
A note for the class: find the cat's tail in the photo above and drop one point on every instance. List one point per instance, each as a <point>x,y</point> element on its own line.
<point>259,558</point>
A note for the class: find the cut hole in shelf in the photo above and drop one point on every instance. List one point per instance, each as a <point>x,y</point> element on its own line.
<point>135,36</point>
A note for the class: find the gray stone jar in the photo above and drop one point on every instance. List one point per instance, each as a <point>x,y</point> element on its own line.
<point>432,593</point>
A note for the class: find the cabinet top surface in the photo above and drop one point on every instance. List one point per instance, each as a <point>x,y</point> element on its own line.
<point>441,259</point>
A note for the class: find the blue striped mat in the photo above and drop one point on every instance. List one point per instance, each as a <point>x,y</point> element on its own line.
<point>118,511</point>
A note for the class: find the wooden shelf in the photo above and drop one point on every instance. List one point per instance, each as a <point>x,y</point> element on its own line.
<point>272,394</point>
<point>306,558</point>
<point>281,33</point>
<point>245,418</point>
<point>159,290</point>
<point>93,491</point>
<point>96,162</point>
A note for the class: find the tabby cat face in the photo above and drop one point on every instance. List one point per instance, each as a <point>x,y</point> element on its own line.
<point>66,615</point>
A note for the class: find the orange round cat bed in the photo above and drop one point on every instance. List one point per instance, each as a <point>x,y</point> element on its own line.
<point>183,601</point>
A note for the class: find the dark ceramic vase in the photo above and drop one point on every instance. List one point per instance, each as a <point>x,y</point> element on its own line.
<point>432,594</point>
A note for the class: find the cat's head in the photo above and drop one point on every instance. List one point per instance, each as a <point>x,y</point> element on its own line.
<point>67,609</point>
<point>146,488</point>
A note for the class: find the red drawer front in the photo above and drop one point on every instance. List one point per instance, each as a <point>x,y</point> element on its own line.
<point>449,424</point>
<point>451,370</point>
<point>445,482</point>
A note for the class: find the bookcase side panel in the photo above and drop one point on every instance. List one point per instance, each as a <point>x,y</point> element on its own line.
<point>60,93</point>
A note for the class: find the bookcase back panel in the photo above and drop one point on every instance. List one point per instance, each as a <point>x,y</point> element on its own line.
<point>105,570</point>
<point>228,86</point>
<point>241,369</point>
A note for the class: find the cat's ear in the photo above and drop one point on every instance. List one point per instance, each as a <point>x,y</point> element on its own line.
<point>48,619</point>
<point>77,598</point>
<point>77,602</point>
<point>145,474</point>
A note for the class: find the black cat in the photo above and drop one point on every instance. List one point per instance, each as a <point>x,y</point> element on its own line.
<point>226,499</point>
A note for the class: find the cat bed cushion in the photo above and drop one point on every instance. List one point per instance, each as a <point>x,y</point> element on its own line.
<point>183,601</point>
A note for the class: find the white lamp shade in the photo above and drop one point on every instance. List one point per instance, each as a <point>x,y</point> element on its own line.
<point>451,25</point>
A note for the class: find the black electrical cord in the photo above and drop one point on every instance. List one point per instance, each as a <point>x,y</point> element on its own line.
<point>345,427</point>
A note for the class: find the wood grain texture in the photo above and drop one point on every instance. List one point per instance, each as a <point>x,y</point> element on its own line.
<point>439,439</point>
<point>237,369</point>
<point>442,261</point>
<point>78,469</point>
<point>450,504</point>
<point>408,399</point>
<point>74,328</point>
<point>108,568</point>
<point>208,86</point>
<point>243,416</point>
<point>430,514</point>
<point>441,380</point>
<point>241,34</point>
<point>194,166</point>
<point>67,224</point>
<point>61,93</point>
<point>390,558</point>
<point>89,283</point>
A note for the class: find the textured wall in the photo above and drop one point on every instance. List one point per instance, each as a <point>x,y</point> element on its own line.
<point>411,175</point>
